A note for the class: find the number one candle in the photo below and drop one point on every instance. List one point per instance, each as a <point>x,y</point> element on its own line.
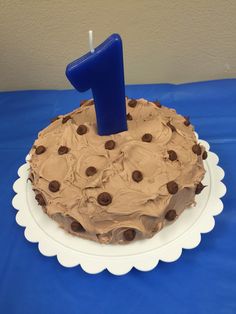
<point>102,70</point>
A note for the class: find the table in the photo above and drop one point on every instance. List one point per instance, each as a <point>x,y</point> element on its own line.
<point>203,280</point>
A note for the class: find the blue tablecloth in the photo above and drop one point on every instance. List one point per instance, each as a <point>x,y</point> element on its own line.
<point>203,280</point>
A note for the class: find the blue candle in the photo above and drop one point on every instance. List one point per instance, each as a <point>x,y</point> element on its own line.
<point>102,70</point>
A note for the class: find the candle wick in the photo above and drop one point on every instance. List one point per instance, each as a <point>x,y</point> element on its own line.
<point>91,41</point>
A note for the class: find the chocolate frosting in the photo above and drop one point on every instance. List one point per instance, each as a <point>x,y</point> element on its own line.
<point>140,206</point>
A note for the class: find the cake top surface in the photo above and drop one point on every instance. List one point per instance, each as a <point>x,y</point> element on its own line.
<point>115,182</point>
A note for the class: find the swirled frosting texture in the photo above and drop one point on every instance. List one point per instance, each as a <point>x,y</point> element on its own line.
<point>140,206</point>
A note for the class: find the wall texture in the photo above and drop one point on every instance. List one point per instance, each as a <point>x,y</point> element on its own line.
<point>164,40</point>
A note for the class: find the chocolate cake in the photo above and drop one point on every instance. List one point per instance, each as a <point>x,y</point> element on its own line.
<point>122,187</point>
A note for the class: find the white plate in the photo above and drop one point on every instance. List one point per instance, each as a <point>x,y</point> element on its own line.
<point>144,255</point>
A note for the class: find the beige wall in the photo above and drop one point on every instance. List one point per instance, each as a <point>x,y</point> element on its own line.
<point>164,41</point>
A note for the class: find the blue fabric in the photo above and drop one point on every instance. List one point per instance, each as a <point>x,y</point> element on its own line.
<point>203,280</point>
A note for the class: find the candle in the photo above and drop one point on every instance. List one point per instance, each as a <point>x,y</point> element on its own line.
<point>102,70</point>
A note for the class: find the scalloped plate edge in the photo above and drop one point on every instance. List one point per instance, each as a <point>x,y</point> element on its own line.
<point>146,262</point>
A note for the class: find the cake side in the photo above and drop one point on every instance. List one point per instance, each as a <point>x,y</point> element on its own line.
<point>114,189</point>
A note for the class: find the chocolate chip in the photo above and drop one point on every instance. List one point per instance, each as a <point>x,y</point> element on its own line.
<point>170,215</point>
<point>90,171</point>
<point>132,103</point>
<point>104,199</point>
<point>91,102</point>
<point>65,119</point>
<point>54,119</point>
<point>129,234</point>
<point>54,186</point>
<point>110,144</point>
<point>87,102</point>
<point>172,187</point>
<point>204,155</point>
<point>63,150</point>
<point>186,122</point>
<point>173,129</point>
<point>197,149</point>
<point>157,104</point>
<point>137,176</point>
<point>83,102</point>
<point>40,199</point>
<point>129,117</point>
<point>82,129</point>
<point>147,137</point>
<point>40,150</point>
<point>77,227</point>
<point>199,188</point>
<point>172,155</point>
